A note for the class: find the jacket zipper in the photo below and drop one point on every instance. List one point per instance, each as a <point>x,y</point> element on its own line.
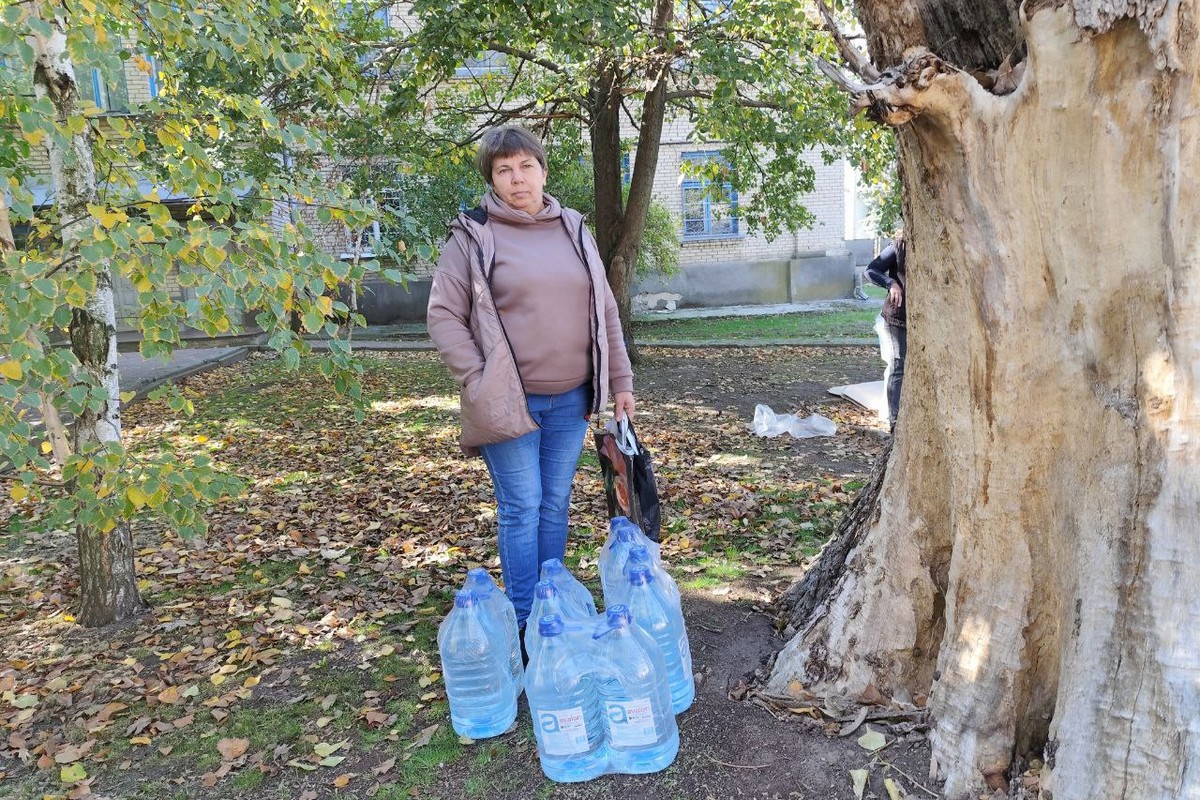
<point>598,367</point>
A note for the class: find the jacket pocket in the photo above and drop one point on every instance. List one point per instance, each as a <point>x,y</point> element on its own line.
<point>494,408</point>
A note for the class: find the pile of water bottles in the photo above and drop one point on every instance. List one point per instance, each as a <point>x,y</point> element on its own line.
<point>603,689</point>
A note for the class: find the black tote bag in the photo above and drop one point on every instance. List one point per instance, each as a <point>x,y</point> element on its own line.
<point>628,472</point>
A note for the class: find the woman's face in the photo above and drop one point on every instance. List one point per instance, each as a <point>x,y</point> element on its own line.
<point>518,181</point>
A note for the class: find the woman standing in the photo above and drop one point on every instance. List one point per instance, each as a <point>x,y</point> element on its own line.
<point>521,312</point>
<point>887,270</point>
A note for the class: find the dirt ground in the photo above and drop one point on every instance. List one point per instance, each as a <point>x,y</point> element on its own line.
<point>734,748</point>
<point>336,646</point>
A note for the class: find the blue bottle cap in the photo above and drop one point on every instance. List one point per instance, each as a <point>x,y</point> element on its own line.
<point>624,534</point>
<point>640,575</point>
<point>639,553</point>
<point>479,580</point>
<point>550,625</point>
<point>545,590</point>
<point>619,616</point>
<point>618,522</point>
<point>553,566</point>
<point>464,598</point>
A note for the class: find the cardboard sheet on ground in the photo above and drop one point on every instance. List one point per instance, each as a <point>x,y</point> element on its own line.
<point>870,396</point>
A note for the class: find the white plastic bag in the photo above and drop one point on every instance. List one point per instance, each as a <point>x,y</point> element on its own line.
<point>768,423</point>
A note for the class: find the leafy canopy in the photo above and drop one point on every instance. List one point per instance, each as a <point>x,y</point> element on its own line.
<point>210,200</point>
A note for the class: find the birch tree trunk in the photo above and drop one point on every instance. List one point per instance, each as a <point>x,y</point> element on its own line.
<point>108,583</point>
<point>1033,560</point>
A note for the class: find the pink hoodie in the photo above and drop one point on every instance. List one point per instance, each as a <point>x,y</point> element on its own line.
<point>521,305</point>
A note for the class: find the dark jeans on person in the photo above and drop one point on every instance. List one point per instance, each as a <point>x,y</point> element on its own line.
<point>894,375</point>
<point>532,476</point>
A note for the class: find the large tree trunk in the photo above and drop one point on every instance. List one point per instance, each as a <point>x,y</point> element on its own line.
<point>107,580</point>
<point>620,225</point>
<point>1034,559</point>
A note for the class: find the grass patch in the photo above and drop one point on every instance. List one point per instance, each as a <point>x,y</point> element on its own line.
<point>807,325</point>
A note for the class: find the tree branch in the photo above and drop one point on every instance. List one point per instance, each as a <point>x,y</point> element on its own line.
<point>525,55</point>
<point>855,59</point>
<point>744,102</point>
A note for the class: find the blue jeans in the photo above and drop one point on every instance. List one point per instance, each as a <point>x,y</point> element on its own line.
<point>532,476</point>
<point>894,374</point>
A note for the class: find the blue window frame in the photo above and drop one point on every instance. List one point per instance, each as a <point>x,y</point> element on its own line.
<point>109,97</point>
<point>708,213</point>
<point>153,76</point>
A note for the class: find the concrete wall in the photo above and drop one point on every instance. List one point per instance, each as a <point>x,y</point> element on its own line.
<point>810,276</point>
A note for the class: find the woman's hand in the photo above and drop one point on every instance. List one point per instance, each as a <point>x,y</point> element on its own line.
<point>896,294</point>
<point>623,405</point>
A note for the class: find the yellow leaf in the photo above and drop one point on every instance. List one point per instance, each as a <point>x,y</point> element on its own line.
<point>143,284</point>
<point>218,679</point>
<point>18,492</point>
<point>213,131</point>
<point>11,369</point>
<point>326,304</point>
<point>140,740</point>
<point>137,497</point>
<point>72,773</point>
<point>47,447</point>
<point>201,439</point>
<point>342,781</point>
<point>251,682</point>
<point>685,543</point>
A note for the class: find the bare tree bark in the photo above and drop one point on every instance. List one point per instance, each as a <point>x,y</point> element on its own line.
<point>1032,560</point>
<point>108,583</point>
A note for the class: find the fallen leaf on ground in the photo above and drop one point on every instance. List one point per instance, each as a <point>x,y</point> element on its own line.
<point>858,778</point>
<point>232,748</point>
<point>424,737</point>
<point>871,740</point>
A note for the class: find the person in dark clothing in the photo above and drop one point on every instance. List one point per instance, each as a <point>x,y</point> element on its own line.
<point>887,270</point>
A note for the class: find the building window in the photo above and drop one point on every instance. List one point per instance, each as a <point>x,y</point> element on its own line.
<point>487,62</point>
<point>709,212</point>
<point>111,97</point>
<point>380,237</point>
<point>153,76</point>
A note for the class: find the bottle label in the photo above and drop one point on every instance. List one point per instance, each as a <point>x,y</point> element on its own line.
<point>630,722</point>
<point>563,731</point>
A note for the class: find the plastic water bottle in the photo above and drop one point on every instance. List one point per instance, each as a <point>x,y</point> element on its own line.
<point>564,705</point>
<point>547,599</point>
<point>640,555</point>
<point>475,666</point>
<point>613,556</point>
<point>655,613</point>
<point>635,696</point>
<point>572,590</point>
<point>504,618</point>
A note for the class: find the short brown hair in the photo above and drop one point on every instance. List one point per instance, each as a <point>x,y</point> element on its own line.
<point>505,141</point>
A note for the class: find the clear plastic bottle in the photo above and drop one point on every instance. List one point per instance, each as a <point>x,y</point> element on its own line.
<point>634,695</point>
<point>572,590</point>
<point>504,616</point>
<point>655,613</point>
<point>564,705</point>
<point>640,555</point>
<point>475,666</point>
<point>623,535</point>
<point>547,599</point>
